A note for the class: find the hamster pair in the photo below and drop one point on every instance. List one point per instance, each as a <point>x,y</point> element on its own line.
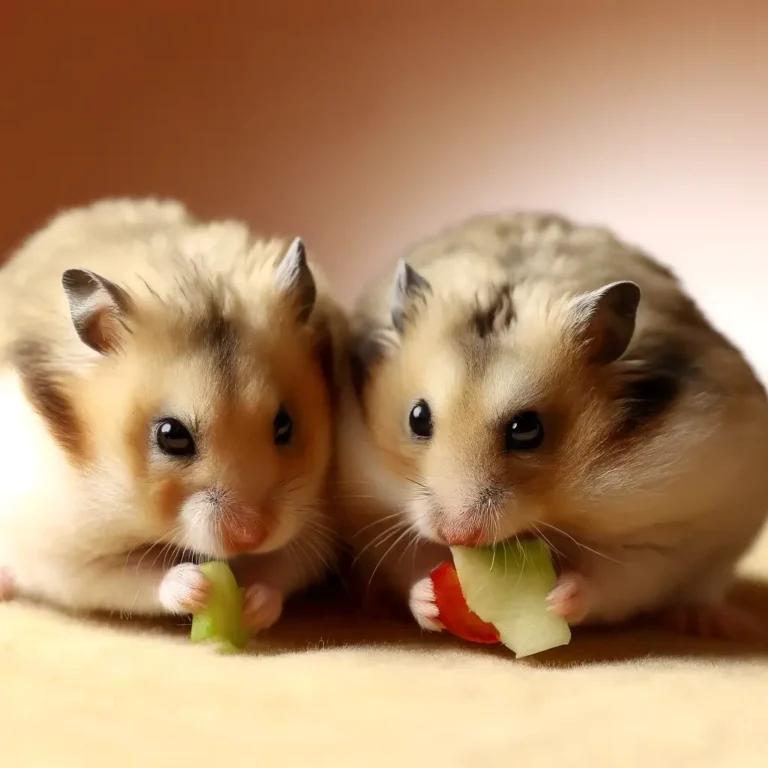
<point>524,375</point>
<point>166,398</point>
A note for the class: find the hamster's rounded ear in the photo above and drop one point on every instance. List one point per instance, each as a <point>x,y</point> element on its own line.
<point>605,320</point>
<point>98,308</point>
<point>294,280</point>
<point>408,290</point>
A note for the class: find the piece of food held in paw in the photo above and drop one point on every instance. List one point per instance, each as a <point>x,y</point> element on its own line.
<point>220,622</point>
<point>499,594</point>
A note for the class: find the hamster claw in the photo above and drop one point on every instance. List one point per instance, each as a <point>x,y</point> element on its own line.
<point>262,607</point>
<point>184,589</point>
<point>423,606</point>
<point>568,598</point>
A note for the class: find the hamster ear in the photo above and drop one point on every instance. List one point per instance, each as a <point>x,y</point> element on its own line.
<point>294,279</point>
<point>98,308</point>
<point>408,288</point>
<point>605,319</point>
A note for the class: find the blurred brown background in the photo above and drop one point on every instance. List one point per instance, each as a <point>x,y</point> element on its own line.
<point>363,124</point>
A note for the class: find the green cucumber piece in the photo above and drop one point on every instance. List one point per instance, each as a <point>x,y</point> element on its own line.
<point>508,588</point>
<point>221,620</point>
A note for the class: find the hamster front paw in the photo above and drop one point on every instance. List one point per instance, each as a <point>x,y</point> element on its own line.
<point>262,607</point>
<point>568,597</point>
<point>423,606</point>
<point>184,589</point>
<point>7,586</point>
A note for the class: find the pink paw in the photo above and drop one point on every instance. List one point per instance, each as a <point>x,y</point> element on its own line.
<point>715,621</point>
<point>568,597</point>
<point>423,606</point>
<point>184,589</point>
<point>7,587</point>
<point>262,607</point>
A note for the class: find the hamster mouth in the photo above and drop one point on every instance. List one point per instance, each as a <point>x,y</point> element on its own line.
<point>478,538</point>
<point>238,541</point>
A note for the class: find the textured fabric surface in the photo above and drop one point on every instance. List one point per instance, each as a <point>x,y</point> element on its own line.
<point>334,688</point>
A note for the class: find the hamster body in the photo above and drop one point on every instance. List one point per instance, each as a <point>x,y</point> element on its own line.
<point>166,397</point>
<point>522,374</point>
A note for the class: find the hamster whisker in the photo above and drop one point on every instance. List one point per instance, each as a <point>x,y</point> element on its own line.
<point>293,555</point>
<point>322,556</point>
<point>303,557</point>
<point>227,519</point>
<point>408,530</point>
<point>311,521</point>
<point>521,550</point>
<point>579,544</point>
<point>309,514</point>
<point>415,482</point>
<point>175,532</point>
<point>291,485</point>
<point>324,535</point>
<point>411,543</point>
<point>381,538</point>
<point>378,521</point>
<point>166,549</point>
<point>539,534</point>
<point>362,484</point>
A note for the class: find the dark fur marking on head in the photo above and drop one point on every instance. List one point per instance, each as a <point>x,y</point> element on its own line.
<point>218,334</point>
<point>650,379</point>
<point>496,316</point>
<point>47,395</point>
<point>369,344</point>
<point>505,229</point>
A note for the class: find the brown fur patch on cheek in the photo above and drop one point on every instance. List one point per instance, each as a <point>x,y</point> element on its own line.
<point>51,399</point>
<point>169,494</point>
<point>137,440</point>
<point>161,490</point>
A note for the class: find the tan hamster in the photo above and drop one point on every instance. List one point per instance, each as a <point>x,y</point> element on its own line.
<point>521,375</point>
<point>166,397</point>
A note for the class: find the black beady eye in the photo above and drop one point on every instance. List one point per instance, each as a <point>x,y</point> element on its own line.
<point>524,432</point>
<point>420,420</point>
<point>173,438</point>
<point>282,427</point>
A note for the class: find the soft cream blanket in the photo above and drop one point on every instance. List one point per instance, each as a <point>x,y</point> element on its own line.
<point>332,689</point>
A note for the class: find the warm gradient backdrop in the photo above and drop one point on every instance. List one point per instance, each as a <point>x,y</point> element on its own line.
<point>363,124</point>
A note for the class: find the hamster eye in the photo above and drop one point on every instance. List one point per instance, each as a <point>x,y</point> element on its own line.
<point>174,439</point>
<point>282,427</point>
<point>420,420</point>
<point>524,432</point>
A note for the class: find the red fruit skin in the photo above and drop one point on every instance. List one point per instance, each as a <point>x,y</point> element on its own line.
<point>453,611</point>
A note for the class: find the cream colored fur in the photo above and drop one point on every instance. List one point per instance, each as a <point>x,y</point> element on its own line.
<point>647,521</point>
<point>77,517</point>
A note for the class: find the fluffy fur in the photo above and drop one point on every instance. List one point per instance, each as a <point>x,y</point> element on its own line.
<point>650,480</point>
<point>163,317</point>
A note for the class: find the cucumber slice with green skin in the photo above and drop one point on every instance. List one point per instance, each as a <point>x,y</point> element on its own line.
<point>221,620</point>
<point>509,589</point>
